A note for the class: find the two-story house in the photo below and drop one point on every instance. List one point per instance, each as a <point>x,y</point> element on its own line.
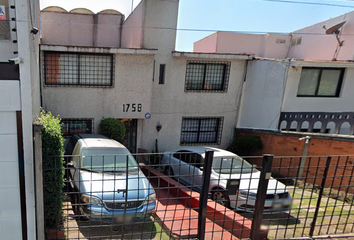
<point>300,81</point>
<point>102,65</point>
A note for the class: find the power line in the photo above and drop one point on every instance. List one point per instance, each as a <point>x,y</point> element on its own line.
<point>200,29</point>
<point>310,3</point>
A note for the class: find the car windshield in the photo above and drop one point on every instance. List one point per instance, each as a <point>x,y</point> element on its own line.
<point>232,165</point>
<point>108,160</point>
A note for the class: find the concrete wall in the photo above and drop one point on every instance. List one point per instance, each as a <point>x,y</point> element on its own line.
<point>132,29</point>
<point>344,103</point>
<point>207,44</point>
<point>316,45</point>
<point>262,94</point>
<point>287,149</point>
<point>73,29</point>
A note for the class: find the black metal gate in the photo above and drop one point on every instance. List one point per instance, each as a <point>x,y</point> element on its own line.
<point>275,198</point>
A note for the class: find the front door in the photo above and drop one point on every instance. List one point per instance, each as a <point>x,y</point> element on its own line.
<point>130,134</point>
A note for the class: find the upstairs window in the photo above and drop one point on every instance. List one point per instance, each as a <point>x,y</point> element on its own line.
<point>78,69</point>
<point>207,76</point>
<point>320,82</point>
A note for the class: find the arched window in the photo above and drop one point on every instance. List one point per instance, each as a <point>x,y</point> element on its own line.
<point>344,128</point>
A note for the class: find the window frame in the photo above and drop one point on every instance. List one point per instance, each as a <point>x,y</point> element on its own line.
<point>225,76</point>
<point>339,84</point>
<point>218,135</point>
<point>88,121</point>
<point>47,84</point>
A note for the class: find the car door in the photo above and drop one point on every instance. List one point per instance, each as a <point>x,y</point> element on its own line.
<point>195,170</point>
<point>182,169</point>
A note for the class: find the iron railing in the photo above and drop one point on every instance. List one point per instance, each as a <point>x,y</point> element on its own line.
<point>206,195</point>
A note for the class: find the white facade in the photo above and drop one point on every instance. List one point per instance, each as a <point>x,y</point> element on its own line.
<point>262,94</point>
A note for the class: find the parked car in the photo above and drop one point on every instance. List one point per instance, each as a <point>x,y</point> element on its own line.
<point>107,182</point>
<point>233,181</point>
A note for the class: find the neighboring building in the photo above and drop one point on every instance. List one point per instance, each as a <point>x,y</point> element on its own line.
<point>19,106</point>
<point>96,66</point>
<point>297,82</point>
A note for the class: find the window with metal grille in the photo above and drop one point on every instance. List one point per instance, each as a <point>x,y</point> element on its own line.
<point>76,126</point>
<point>207,76</point>
<point>201,130</point>
<point>320,82</point>
<point>78,69</point>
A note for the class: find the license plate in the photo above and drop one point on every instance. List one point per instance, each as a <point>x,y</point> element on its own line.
<point>124,218</point>
<point>277,206</point>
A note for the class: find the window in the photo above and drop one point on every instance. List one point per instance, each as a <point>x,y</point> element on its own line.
<point>76,126</point>
<point>320,82</point>
<point>280,41</point>
<point>162,74</point>
<point>296,41</point>
<point>207,76</point>
<point>78,69</point>
<point>201,130</point>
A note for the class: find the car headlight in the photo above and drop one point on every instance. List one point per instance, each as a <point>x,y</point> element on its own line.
<point>247,194</point>
<point>92,200</point>
<point>150,199</point>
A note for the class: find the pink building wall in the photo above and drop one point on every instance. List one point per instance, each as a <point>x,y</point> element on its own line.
<point>317,45</point>
<point>133,28</point>
<point>74,29</point>
<point>207,44</point>
<point>261,45</point>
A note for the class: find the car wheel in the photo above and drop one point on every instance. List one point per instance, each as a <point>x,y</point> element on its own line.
<point>221,197</point>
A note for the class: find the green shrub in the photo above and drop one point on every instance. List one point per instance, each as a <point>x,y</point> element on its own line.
<point>112,128</point>
<point>246,145</point>
<point>53,151</point>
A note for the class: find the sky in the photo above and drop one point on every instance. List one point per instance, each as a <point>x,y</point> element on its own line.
<point>200,18</point>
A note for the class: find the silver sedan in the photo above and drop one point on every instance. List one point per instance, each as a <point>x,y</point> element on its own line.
<point>233,181</point>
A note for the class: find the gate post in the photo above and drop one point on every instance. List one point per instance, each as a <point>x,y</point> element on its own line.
<point>203,200</point>
<point>313,224</point>
<point>261,196</point>
<point>37,144</point>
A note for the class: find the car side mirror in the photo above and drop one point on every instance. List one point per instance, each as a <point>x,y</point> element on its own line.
<point>201,168</point>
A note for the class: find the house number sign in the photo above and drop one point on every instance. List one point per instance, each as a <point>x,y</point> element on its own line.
<point>132,107</point>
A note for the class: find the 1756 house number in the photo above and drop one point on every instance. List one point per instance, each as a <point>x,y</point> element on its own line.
<point>134,107</point>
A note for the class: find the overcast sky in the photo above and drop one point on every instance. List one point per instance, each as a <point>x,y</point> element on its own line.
<point>228,15</point>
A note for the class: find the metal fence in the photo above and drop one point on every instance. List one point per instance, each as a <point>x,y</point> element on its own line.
<point>205,195</point>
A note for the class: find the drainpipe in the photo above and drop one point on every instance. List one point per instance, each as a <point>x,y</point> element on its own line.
<point>304,154</point>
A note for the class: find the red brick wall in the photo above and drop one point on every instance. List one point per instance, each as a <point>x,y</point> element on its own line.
<point>287,149</point>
